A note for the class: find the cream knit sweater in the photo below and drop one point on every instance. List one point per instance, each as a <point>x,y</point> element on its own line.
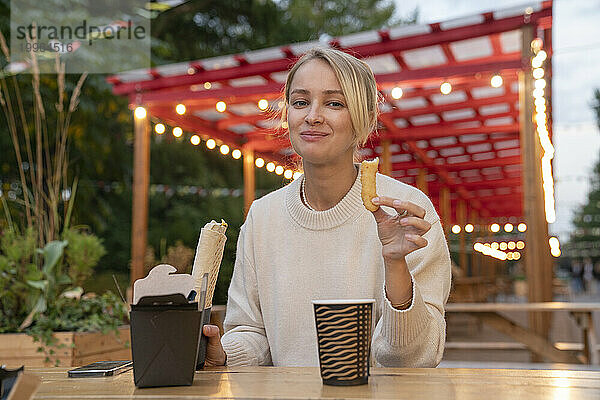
<point>288,255</point>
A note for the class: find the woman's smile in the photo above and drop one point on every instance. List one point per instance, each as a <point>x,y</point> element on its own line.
<point>313,136</point>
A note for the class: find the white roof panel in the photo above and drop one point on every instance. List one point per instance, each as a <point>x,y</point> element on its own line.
<point>510,41</point>
<point>462,21</point>
<point>471,49</point>
<point>424,57</point>
<point>244,108</point>
<point>384,64</point>
<point>487,91</point>
<point>357,39</point>
<point>410,103</point>
<point>453,97</point>
<point>494,109</point>
<point>248,81</point>
<point>463,113</point>
<point>426,119</point>
<point>219,62</point>
<point>272,53</point>
<point>409,30</point>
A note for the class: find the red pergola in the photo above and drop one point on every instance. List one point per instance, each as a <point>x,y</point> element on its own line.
<point>474,150</point>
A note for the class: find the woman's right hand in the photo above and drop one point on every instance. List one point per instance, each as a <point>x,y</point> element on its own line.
<point>215,355</point>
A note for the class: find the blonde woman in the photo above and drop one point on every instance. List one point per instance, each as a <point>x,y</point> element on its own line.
<point>314,239</point>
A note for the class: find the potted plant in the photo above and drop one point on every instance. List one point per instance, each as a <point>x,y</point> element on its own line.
<point>44,315</point>
<point>45,308</point>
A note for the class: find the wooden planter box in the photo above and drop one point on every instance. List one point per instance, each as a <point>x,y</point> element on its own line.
<point>79,348</point>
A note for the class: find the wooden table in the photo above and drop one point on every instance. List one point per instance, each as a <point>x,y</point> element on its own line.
<point>490,313</point>
<point>301,383</point>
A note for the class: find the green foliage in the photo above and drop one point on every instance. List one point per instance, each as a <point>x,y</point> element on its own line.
<point>82,254</point>
<point>40,301</point>
<point>585,238</point>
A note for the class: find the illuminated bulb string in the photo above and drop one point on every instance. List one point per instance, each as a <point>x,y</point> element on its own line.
<point>544,136</point>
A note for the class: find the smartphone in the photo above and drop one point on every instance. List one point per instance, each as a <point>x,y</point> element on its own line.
<point>101,368</point>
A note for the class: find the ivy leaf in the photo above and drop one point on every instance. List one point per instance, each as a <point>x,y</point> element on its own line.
<point>52,253</point>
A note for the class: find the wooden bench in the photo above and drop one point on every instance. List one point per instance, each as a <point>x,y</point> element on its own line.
<point>489,313</point>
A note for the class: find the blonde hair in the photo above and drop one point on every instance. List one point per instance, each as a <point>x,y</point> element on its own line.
<point>358,85</point>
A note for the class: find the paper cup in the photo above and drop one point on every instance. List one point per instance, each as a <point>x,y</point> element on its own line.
<point>344,340</point>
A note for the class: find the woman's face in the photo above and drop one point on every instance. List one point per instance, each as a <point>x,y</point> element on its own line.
<point>318,117</point>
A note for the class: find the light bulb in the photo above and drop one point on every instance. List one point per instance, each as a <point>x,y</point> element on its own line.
<point>538,73</point>
<point>180,109</point>
<point>259,162</point>
<point>396,93</point>
<point>159,128</point>
<point>446,88</point>
<point>496,81</point>
<point>221,106</point>
<point>263,104</point>
<point>140,112</point>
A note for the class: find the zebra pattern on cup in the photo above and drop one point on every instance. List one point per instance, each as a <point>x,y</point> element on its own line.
<point>343,333</point>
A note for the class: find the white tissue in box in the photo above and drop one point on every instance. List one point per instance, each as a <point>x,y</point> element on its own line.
<point>160,281</point>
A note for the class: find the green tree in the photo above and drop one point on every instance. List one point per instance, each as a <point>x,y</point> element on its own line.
<point>585,238</point>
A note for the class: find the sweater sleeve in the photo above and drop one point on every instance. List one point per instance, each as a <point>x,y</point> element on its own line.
<point>415,337</point>
<point>245,341</point>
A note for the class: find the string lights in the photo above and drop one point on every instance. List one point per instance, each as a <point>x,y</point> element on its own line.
<point>554,246</point>
<point>141,113</point>
<point>541,121</point>
<point>508,228</point>
<point>495,250</point>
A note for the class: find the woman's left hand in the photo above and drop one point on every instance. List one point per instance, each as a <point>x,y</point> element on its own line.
<point>400,235</point>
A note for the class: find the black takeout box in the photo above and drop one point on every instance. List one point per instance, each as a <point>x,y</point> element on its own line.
<point>164,341</point>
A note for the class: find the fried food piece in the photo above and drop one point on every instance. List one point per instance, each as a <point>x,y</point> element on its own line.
<point>368,171</point>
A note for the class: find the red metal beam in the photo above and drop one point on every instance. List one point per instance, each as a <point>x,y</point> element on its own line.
<point>495,162</point>
<point>389,46</point>
<point>444,130</point>
<point>483,184</point>
<point>448,71</point>
<point>458,84</point>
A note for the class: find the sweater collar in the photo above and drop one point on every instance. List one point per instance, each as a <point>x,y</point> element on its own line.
<point>350,206</point>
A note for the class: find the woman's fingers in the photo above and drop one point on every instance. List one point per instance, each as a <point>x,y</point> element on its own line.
<point>215,355</point>
<point>417,240</point>
<point>420,225</point>
<point>399,205</point>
